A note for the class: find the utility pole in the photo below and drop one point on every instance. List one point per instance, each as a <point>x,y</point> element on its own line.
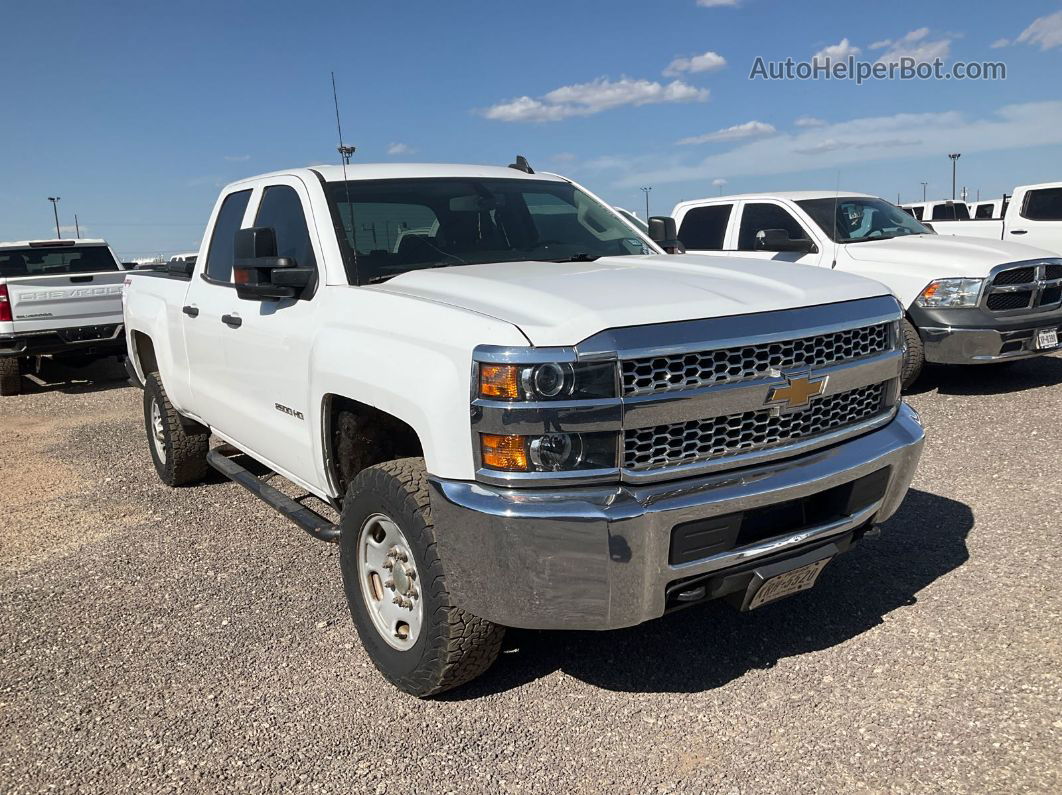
<point>646,190</point>
<point>924,190</point>
<point>954,160</point>
<point>77,227</point>
<point>55,204</point>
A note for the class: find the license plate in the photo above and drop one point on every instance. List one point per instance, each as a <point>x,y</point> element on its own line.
<point>1047,338</point>
<point>789,583</point>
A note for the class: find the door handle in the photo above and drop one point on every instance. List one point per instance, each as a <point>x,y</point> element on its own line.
<point>81,278</point>
<point>191,311</point>
<point>1019,231</point>
<point>232,321</point>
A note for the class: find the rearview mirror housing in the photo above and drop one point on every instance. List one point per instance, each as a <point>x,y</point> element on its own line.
<point>663,232</point>
<point>259,274</point>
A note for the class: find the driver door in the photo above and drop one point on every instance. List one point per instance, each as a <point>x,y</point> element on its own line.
<point>756,215</point>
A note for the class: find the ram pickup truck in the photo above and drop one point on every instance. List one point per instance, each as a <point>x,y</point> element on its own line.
<point>58,298</point>
<point>1031,215</point>
<point>965,300</point>
<point>525,413</point>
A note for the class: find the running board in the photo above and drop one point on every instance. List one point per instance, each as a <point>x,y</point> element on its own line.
<point>310,521</point>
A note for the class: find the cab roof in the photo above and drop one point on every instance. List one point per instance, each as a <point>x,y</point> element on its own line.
<point>789,195</point>
<point>66,241</point>
<point>360,171</point>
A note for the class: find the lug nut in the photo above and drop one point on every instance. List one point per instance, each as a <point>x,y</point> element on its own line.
<point>411,592</point>
<point>398,601</point>
<point>389,585</point>
<point>410,572</point>
<point>388,564</point>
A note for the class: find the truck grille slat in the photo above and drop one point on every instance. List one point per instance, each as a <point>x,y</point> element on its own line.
<point>1016,276</point>
<point>702,440</point>
<point>651,375</point>
<point>1000,302</point>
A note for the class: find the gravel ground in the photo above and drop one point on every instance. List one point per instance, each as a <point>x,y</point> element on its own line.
<point>155,639</point>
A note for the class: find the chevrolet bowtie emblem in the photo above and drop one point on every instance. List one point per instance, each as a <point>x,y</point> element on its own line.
<point>797,391</point>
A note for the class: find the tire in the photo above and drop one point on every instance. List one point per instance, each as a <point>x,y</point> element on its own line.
<point>178,445</point>
<point>449,646</point>
<point>914,357</point>
<point>10,376</point>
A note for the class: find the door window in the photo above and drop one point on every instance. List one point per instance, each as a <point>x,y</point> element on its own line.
<point>1044,204</point>
<point>704,228</point>
<point>983,211</point>
<point>223,239</point>
<point>281,210</point>
<point>757,216</point>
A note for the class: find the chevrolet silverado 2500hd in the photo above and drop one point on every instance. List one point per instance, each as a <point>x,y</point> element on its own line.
<point>58,298</point>
<point>526,414</point>
<point>967,300</point>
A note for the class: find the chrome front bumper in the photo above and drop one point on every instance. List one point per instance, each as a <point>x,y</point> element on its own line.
<point>597,557</point>
<point>982,345</point>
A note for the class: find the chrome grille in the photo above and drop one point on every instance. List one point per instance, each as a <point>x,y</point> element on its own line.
<point>716,437</point>
<point>691,370</point>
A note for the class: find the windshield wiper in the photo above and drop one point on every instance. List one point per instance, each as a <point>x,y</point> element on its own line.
<point>582,256</point>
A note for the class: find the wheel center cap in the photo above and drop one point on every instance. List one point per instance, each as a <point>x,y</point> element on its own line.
<point>401,581</point>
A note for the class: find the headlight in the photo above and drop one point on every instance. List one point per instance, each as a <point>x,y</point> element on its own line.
<point>548,381</point>
<point>548,452</point>
<point>948,293</point>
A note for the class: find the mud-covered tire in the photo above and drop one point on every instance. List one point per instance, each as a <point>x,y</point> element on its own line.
<point>914,357</point>
<point>10,375</point>
<point>453,646</point>
<point>178,445</point>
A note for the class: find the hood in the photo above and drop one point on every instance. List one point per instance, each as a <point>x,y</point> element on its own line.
<point>564,303</point>
<point>946,255</point>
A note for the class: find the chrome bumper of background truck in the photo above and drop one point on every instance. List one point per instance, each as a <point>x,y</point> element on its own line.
<point>981,345</point>
<point>598,557</point>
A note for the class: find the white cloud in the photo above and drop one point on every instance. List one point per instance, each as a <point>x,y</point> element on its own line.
<point>836,52</point>
<point>916,45</point>
<point>706,62</point>
<point>397,149</point>
<point>999,43</point>
<point>809,121</point>
<point>69,230</point>
<point>856,142</point>
<point>718,182</point>
<point>739,132</point>
<point>237,158</point>
<point>563,157</point>
<point>1045,31</point>
<point>716,3</point>
<point>586,99</point>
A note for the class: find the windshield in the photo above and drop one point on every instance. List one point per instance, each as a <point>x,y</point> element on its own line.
<point>55,260</point>
<point>848,219</point>
<point>399,225</point>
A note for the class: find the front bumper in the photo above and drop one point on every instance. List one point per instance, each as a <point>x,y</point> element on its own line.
<point>975,336</point>
<point>599,557</point>
<point>82,340</point>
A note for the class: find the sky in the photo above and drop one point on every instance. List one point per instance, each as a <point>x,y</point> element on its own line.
<point>137,113</point>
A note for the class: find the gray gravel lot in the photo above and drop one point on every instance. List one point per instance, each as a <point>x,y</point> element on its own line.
<point>155,639</point>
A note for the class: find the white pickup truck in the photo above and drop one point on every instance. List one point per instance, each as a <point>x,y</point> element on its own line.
<point>1031,215</point>
<point>58,298</point>
<point>966,300</point>
<point>525,412</point>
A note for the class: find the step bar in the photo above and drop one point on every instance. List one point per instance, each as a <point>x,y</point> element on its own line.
<point>310,521</point>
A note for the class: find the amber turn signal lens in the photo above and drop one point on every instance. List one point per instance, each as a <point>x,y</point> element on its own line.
<point>505,453</point>
<point>499,381</point>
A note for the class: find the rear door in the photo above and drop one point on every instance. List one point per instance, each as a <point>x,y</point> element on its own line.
<point>62,286</point>
<point>1038,221</point>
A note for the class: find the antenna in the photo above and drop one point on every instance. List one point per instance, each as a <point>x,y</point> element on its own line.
<point>345,152</point>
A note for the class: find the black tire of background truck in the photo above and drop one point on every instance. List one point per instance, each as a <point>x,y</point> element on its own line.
<point>914,357</point>
<point>454,646</point>
<point>10,375</point>
<point>185,442</point>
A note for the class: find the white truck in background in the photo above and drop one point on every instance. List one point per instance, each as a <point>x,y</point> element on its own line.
<point>943,210</point>
<point>966,300</point>
<point>1031,215</point>
<point>526,413</point>
<point>60,299</point>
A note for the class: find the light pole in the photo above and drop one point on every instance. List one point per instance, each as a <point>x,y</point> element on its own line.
<point>646,190</point>
<point>954,160</point>
<point>924,190</point>
<point>55,205</point>
<point>345,152</point>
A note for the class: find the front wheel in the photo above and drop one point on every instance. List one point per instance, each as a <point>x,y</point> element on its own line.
<point>396,588</point>
<point>10,376</point>
<point>914,356</point>
<point>178,446</point>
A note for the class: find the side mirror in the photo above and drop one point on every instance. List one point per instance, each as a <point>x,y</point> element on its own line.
<point>663,232</point>
<point>779,240</point>
<point>259,274</point>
